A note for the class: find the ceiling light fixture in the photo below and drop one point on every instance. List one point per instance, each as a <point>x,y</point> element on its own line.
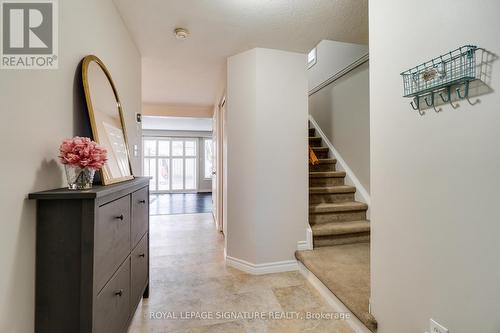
<point>181,33</point>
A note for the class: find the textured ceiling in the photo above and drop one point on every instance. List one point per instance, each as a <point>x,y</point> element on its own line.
<point>189,71</point>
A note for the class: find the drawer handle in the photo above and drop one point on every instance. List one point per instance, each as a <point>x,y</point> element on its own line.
<point>119,292</point>
<point>119,217</point>
<point>142,255</point>
<point>142,201</point>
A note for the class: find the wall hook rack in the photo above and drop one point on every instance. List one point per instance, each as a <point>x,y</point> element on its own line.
<point>456,68</point>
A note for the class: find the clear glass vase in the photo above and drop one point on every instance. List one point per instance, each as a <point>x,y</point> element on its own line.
<point>79,178</point>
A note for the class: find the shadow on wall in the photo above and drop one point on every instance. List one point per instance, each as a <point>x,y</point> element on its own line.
<point>479,87</point>
<point>23,272</point>
<point>81,120</point>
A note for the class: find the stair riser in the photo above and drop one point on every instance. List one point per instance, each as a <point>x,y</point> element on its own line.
<point>329,181</point>
<point>331,198</point>
<point>322,167</point>
<point>341,239</point>
<point>321,153</point>
<point>314,143</point>
<point>312,131</point>
<point>337,217</point>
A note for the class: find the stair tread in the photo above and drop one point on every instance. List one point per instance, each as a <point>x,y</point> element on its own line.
<point>320,148</point>
<point>327,160</point>
<point>337,207</point>
<point>314,138</point>
<point>340,228</point>
<point>326,174</point>
<point>332,189</point>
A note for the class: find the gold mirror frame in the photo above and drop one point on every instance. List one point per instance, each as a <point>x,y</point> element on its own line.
<point>107,178</point>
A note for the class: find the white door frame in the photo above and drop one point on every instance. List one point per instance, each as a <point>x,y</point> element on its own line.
<point>218,178</point>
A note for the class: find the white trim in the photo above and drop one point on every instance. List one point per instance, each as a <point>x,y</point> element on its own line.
<point>332,300</point>
<point>203,191</point>
<point>302,246</point>
<point>309,237</point>
<point>351,179</point>
<point>308,243</point>
<point>266,268</point>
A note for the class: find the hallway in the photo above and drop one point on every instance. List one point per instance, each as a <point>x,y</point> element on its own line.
<point>188,275</point>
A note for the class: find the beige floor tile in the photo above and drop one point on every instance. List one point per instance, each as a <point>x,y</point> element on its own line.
<point>188,274</point>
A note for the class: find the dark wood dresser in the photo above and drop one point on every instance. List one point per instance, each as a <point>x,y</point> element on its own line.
<point>92,257</point>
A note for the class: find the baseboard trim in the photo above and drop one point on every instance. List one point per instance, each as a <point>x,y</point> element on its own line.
<point>259,269</point>
<point>332,300</point>
<point>308,243</point>
<point>361,193</point>
<point>302,246</point>
<point>309,237</point>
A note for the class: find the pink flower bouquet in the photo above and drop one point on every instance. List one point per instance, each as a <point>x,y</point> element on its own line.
<point>81,158</point>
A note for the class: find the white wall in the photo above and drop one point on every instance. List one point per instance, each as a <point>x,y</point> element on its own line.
<point>176,123</point>
<point>40,109</point>
<point>342,111</point>
<point>435,179</point>
<point>267,199</point>
<point>332,57</point>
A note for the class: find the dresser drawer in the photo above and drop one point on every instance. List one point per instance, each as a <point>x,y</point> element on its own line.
<point>140,270</point>
<point>140,215</point>
<point>112,239</point>
<point>112,306</point>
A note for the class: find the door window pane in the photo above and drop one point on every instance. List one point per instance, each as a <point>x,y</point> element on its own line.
<point>163,174</point>
<point>149,147</point>
<point>190,148</point>
<point>163,148</point>
<point>177,148</point>
<point>208,158</point>
<point>172,163</point>
<point>177,173</point>
<point>190,175</point>
<point>150,170</point>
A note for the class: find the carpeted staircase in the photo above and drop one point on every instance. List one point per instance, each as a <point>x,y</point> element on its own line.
<point>341,235</point>
<point>334,215</point>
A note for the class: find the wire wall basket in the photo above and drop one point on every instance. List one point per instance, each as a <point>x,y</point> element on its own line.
<point>439,75</point>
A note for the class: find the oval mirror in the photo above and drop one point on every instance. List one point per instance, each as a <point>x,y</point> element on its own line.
<point>106,119</point>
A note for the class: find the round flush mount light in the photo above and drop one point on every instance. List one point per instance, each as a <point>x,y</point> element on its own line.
<point>181,33</point>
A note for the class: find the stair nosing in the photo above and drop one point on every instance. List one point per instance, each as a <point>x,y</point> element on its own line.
<point>327,174</point>
<point>349,206</point>
<point>340,228</point>
<point>332,189</point>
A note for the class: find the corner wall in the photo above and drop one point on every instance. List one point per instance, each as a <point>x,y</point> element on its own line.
<point>40,108</point>
<point>434,179</point>
<point>267,171</point>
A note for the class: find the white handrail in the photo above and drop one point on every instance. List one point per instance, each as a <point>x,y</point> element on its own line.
<point>339,74</point>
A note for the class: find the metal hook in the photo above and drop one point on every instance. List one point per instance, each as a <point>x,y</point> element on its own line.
<point>448,92</point>
<point>432,100</point>
<point>466,95</point>
<point>432,103</point>
<point>415,106</point>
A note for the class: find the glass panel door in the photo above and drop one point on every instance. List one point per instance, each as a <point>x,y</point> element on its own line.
<point>172,163</point>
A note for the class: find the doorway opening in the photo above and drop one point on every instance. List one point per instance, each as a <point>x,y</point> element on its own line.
<point>177,153</point>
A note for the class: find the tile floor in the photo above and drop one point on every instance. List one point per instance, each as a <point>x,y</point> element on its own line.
<point>189,277</point>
